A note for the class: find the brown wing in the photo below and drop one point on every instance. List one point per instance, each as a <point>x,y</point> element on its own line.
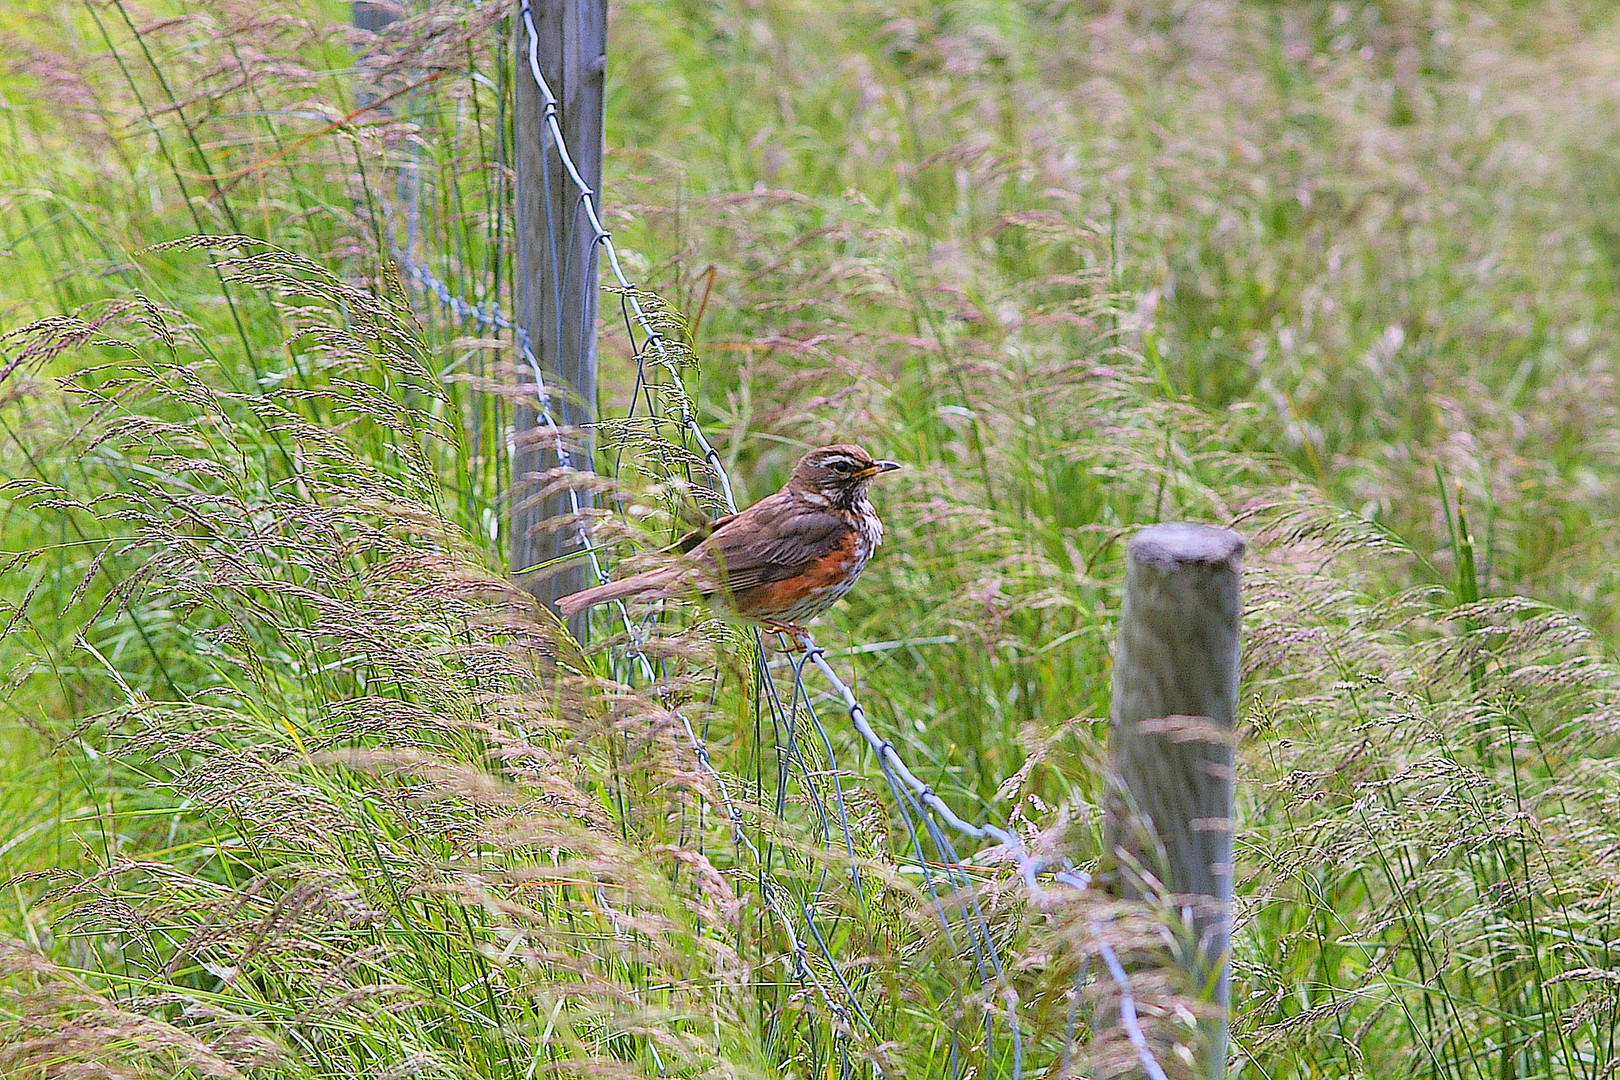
<point>778,537</point>
<point>692,539</point>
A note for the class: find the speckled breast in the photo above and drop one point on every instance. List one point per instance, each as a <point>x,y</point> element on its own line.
<point>822,584</point>
<point>823,596</point>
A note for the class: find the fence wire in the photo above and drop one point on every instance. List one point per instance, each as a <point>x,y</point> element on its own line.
<point>930,822</point>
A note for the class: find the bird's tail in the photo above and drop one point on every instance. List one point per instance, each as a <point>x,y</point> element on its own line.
<point>639,585</point>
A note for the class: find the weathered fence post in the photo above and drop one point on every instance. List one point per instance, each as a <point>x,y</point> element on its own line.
<point>556,276</point>
<point>1171,746</point>
<point>371,16</point>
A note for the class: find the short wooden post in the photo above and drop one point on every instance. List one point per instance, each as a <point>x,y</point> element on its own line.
<point>1171,745</point>
<point>556,277</point>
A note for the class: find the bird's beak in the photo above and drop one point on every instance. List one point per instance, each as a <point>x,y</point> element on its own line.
<point>878,467</point>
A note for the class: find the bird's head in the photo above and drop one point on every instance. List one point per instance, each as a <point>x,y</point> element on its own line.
<point>840,474</point>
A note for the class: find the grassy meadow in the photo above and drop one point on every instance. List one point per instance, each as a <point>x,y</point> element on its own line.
<point>294,783</point>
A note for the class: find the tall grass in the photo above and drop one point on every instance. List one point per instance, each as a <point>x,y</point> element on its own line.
<point>301,787</point>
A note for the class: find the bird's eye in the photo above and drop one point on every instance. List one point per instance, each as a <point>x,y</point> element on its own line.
<point>840,466</point>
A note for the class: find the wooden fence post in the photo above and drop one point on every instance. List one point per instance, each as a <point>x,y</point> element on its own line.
<point>366,15</point>
<point>1171,745</point>
<point>557,278</point>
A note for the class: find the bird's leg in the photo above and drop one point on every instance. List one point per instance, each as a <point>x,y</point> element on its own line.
<point>788,630</point>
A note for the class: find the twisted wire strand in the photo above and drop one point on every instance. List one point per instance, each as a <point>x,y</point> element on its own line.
<point>916,799</point>
<point>1028,866</point>
<point>588,202</point>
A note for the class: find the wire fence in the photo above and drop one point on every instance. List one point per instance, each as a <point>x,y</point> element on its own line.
<point>929,822</point>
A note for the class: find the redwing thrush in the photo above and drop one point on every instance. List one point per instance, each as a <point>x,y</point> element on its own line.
<point>782,561</point>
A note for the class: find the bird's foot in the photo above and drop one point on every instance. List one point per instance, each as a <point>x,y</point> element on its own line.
<point>790,632</point>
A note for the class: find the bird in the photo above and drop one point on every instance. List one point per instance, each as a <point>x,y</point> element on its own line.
<point>779,563</point>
